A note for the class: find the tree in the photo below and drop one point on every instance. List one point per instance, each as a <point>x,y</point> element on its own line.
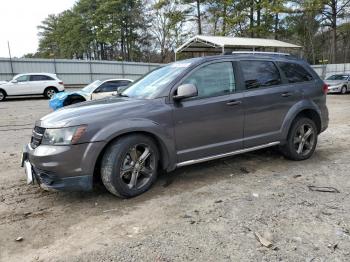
<point>332,11</point>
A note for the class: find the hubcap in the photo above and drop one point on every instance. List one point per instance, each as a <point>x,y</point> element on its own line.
<point>304,139</point>
<point>343,90</point>
<point>138,166</point>
<point>51,93</point>
<point>1,96</point>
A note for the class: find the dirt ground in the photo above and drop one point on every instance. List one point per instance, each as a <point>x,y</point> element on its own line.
<point>206,212</point>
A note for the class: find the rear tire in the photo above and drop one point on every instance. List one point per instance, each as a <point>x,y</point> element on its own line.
<point>2,95</point>
<point>129,165</point>
<point>301,140</point>
<point>343,90</point>
<point>50,92</point>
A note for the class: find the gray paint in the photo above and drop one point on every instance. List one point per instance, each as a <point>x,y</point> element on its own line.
<point>189,131</point>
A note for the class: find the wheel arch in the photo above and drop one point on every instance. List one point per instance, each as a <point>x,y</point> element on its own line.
<point>1,89</point>
<point>307,109</point>
<point>164,158</point>
<point>50,87</point>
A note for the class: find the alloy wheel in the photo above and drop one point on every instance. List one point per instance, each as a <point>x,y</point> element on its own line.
<point>304,139</point>
<point>138,166</point>
<point>51,93</point>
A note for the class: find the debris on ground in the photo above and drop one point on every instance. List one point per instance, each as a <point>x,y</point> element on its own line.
<point>244,170</point>
<point>263,241</point>
<point>326,189</point>
<point>19,239</point>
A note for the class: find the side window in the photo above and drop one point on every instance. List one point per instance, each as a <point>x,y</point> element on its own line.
<point>260,74</point>
<point>108,87</point>
<point>213,79</point>
<point>40,78</point>
<point>23,78</point>
<point>295,73</point>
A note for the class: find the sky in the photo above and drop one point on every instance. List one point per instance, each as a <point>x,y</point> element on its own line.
<point>19,20</point>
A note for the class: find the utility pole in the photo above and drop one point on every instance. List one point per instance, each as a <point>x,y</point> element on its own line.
<point>8,46</point>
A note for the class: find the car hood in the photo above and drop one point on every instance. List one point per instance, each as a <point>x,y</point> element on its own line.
<point>3,82</point>
<point>111,108</point>
<point>334,82</point>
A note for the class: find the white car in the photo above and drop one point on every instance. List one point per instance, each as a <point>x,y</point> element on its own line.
<point>32,84</point>
<point>100,89</point>
<point>96,90</point>
<point>339,83</point>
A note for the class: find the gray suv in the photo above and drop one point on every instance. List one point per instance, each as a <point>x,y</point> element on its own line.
<point>180,114</point>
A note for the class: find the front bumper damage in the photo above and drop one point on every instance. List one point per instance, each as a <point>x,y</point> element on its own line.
<point>67,168</point>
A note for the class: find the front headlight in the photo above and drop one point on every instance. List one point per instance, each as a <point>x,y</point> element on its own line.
<point>63,136</point>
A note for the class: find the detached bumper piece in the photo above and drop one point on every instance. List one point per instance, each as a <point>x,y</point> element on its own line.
<point>50,181</point>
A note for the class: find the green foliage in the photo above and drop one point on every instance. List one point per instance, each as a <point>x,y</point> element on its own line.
<point>150,30</point>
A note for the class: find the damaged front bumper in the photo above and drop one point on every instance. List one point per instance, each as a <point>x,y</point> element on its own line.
<point>68,168</point>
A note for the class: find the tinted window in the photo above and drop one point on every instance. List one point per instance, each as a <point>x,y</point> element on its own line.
<point>338,77</point>
<point>295,73</point>
<point>213,80</point>
<point>23,78</point>
<point>40,78</point>
<point>108,87</point>
<point>260,74</point>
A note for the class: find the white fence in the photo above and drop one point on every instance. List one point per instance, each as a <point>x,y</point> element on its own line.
<point>330,69</point>
<point>75,72</point>
<point>81,72</point>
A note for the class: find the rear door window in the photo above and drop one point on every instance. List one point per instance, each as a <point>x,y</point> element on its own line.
<point>40,78</point>
<point>259,74</point>
<point>295,73</point>
<point>108,87</point>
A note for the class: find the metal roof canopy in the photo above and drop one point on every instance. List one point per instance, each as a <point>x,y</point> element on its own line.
<point>217,44</point>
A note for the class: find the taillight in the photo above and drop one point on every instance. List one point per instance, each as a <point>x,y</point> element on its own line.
<point>325,89</point>
<point>61,83</point>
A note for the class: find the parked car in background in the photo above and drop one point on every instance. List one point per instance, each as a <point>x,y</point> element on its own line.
<point>184,113</point>
<point>45,84</point>
<point>96,90</point>
<point>339,83</point>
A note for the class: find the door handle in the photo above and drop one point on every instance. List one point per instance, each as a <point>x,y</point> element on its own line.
<point>286,94</point>
<point>233,103</point>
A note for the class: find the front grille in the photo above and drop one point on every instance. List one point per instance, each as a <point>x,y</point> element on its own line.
<point>37,136</point>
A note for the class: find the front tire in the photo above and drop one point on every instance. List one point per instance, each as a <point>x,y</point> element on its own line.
<point>129,165</point>
<point>343,90</point>
<point>301,140</point>
<point>50,92</point>
<point>2,95</point>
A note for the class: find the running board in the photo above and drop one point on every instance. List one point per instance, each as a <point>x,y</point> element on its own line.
<point>237,152</point>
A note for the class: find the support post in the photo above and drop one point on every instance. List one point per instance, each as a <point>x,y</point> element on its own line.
<point>8,45</point>
<point>90,67</point>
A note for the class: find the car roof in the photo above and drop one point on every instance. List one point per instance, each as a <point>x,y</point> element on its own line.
<point>118,79</point>
<point>48,74</point>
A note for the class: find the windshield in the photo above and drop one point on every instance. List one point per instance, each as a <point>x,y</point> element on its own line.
<point>338,77</point>
<point>155,81</point>
<point>91,87</point>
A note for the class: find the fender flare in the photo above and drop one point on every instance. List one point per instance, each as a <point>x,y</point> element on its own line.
<point>294,111</point>
<point>162,136</point>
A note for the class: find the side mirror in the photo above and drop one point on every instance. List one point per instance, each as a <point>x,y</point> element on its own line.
<point>14,81</point>
<point>186,91</point>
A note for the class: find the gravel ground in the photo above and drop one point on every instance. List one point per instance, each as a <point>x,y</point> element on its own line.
<point>207,212</point>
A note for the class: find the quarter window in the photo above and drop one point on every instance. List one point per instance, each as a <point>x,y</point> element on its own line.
<point>295,73</point>
<point>259,74</point>
<point>213,80</point>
